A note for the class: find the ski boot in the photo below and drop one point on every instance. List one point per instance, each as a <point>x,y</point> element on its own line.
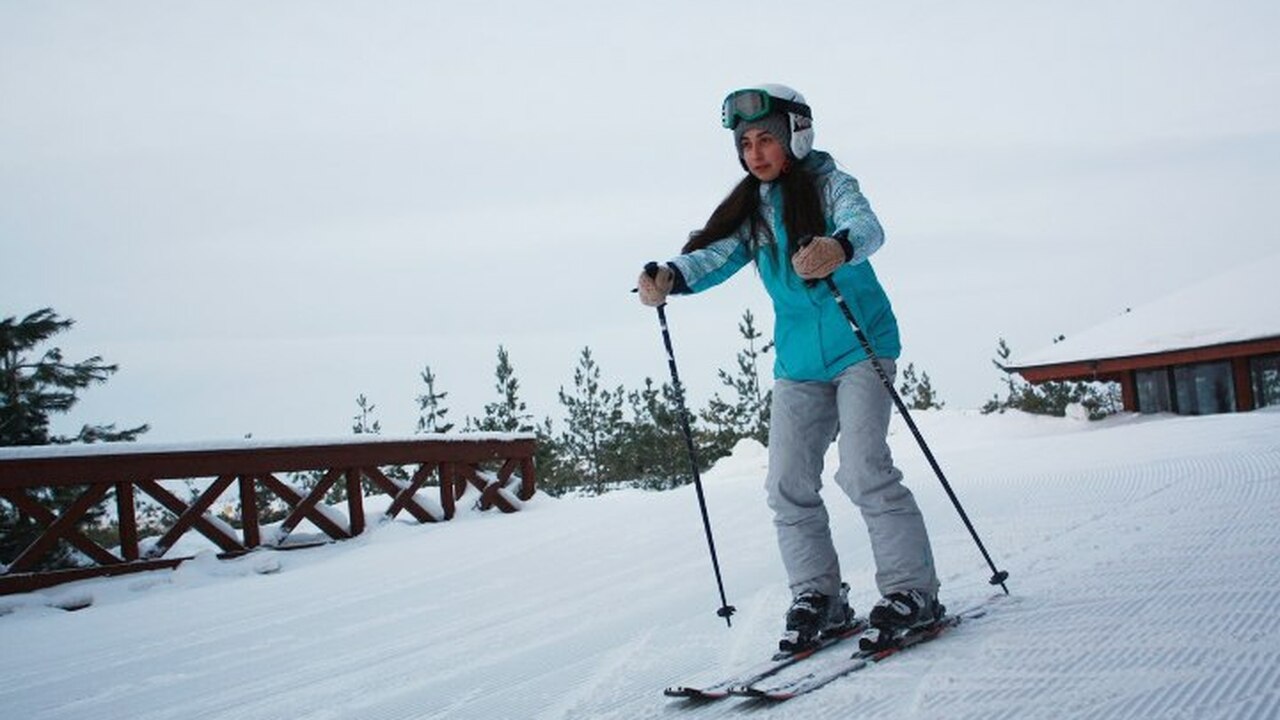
<point>813,616</point>
<point>897,614</point>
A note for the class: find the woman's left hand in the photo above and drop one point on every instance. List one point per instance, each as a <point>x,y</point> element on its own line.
<point>819,258</point>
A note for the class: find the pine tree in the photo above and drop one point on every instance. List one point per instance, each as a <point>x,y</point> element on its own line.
<point>1051,398</point>
<point>33,389</point>
<point>34,386</point>
<point>361,423</point>
<point>431,411</point>
<point>508,414</point>
<point>918,392</point>
<point>747,414</point>
<point>995,404</point>
<point>654,451</point>
<point>555,476</point>
<point>594,419</point>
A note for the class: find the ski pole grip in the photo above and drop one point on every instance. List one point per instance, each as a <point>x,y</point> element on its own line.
<point>650,269</point>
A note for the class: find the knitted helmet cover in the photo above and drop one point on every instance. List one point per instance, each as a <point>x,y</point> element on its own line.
<point>777,124</point>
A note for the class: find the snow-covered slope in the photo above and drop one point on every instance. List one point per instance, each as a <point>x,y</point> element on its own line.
<point>1144,552</point>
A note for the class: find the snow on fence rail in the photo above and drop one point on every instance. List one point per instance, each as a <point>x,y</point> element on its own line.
<point>499,466</point>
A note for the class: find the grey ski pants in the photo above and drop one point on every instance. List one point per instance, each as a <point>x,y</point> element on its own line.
<point>806,417</point>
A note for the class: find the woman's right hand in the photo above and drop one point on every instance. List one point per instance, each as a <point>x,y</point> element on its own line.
<point>654,290</point>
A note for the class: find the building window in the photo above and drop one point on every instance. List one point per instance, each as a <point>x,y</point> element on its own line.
<point>1265,373</point>
<point>1204,388</point>
<point>1153,391</point>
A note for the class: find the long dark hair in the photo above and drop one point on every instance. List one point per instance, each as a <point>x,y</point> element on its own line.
<point>801,212</point>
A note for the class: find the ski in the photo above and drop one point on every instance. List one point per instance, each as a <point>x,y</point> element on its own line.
<point>860,660</point>
<point>761,671</point>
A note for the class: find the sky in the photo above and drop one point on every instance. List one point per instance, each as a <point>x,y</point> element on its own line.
<point>261,211</point>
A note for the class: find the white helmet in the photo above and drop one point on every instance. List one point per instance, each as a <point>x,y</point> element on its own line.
<point>757,103</point>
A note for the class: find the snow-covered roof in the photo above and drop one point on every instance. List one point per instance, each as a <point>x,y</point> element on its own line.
<point>1235,306</point>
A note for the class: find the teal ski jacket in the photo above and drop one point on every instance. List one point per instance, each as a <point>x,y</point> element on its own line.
<point>812,338</point>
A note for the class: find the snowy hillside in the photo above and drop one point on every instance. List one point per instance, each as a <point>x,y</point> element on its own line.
<point>1144,553</point>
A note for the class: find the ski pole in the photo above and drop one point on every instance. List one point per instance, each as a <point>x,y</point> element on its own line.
<point>726,610</point>
<point>998,577</point>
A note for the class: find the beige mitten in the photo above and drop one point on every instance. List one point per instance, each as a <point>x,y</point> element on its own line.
<point>819,258</point>
<point>654,290</point>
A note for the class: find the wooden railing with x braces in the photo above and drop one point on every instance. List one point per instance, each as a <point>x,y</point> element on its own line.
<point>499,466</point>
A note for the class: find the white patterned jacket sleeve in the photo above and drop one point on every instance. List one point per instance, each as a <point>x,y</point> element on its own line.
<point>850,211</point>
<point>713,264</point>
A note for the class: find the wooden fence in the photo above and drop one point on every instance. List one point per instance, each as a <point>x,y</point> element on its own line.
<point>500,468</point>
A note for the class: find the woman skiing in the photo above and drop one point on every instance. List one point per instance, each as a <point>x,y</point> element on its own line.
<point>824,383</point>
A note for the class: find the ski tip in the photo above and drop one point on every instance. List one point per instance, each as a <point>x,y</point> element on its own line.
<point>681,691</point>
<point>692,693</point>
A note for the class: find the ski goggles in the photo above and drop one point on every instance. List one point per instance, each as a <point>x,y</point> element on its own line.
<point>753,104</point>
